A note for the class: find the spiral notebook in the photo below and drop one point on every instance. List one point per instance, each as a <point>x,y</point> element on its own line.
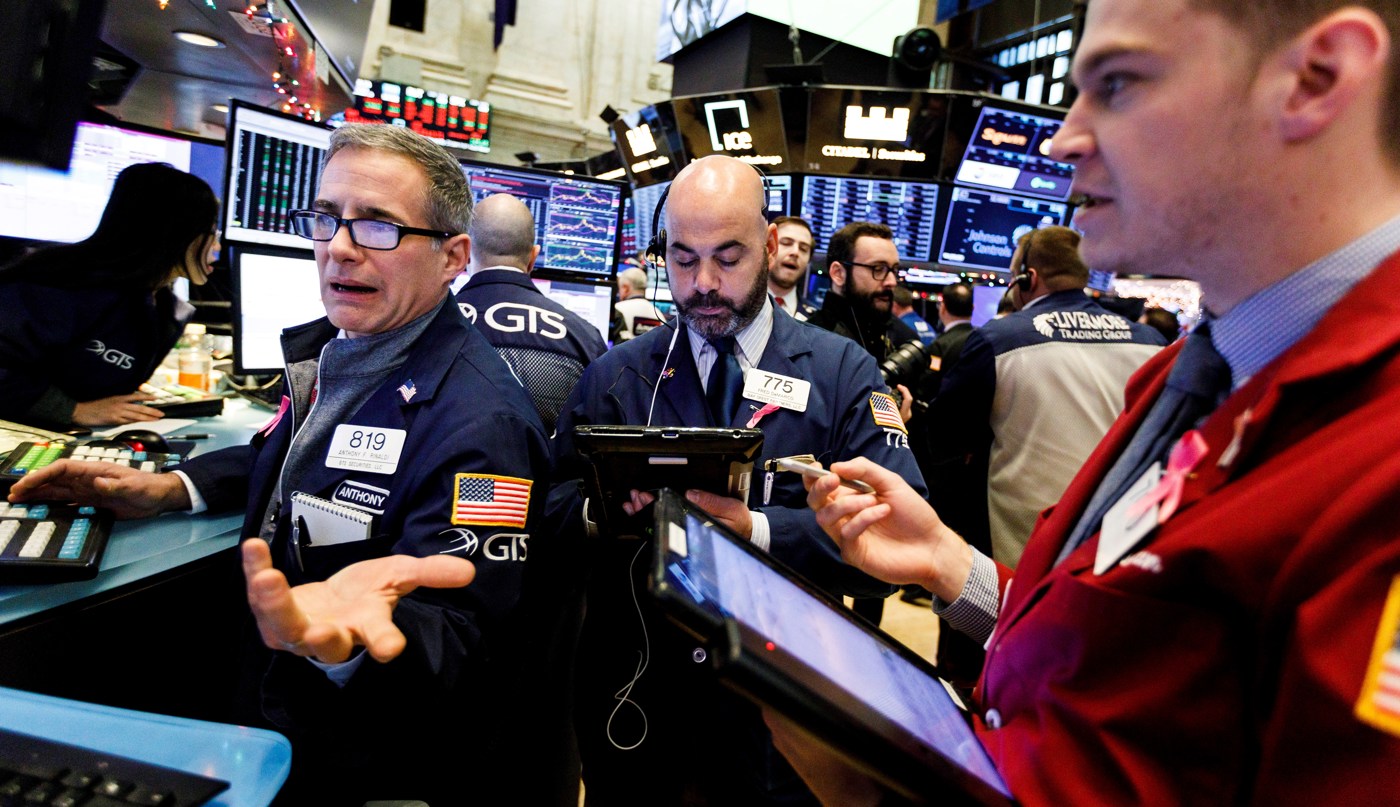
<point>328,522</point>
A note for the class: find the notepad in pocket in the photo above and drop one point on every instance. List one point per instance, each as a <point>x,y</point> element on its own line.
<point>328,523</point>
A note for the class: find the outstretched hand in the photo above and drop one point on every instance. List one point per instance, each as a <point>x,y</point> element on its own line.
<point>354,607</point>
<point>892,534</point>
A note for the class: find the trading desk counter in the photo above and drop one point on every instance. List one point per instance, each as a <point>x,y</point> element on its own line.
<point>165,609</point>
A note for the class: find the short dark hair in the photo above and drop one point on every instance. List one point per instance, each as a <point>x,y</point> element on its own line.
<point>781,220</point>
<point>1054,253</point>
<point>902,295</point>
<point>957,298</point>
<point>842,247</point>
<point>1270,22</point>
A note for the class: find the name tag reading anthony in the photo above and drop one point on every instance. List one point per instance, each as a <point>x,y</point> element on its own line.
<point>780,390</point>
<point>365,448</point>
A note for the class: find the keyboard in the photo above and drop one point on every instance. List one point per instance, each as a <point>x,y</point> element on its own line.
<point>183,402</point>
<point>49,542</point>
<point>35,771</point>
<point>28,457</point>
<point>268,397</point>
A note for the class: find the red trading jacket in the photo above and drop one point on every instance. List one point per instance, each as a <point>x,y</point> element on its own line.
<point>1223,663</point>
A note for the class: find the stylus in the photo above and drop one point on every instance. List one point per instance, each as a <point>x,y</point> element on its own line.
<point>812,470</point>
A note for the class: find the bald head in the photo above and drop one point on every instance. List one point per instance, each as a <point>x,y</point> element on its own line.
<point>717,177</point>
<point>718,245</point>
<point>503,234</point>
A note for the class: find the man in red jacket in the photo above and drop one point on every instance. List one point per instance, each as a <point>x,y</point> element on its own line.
<point>1211,613</point>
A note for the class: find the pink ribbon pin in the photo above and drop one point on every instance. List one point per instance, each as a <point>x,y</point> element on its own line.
<point>1186,454</point>
<point>767,410</point>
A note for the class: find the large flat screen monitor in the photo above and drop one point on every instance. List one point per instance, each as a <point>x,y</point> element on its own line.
<point>577,218</point>
<point>1010,151</point>
<point>273,289</point>
<point>984,226</point>
<point>273,164</point>
<point>44,204</point>
<point>907,208</point>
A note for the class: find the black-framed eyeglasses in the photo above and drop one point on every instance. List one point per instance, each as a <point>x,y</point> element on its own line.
<point>879,271</point>
<point>367,233</point>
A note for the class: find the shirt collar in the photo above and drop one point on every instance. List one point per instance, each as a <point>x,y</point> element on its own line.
<point>1268,322</point>
<point>750,341</point>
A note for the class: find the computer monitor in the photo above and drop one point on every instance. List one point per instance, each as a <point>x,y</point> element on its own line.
<point>273,289</point>
<point>44,204</point>
<point>984,226</point>
<point>644,202</point>
<point>591,301</point>
<point>985,300</point>
<point>274,162</point>
<point>906,207</point>
<point>779,189</point>
<point>1010,150</point>
<point>577,218</point>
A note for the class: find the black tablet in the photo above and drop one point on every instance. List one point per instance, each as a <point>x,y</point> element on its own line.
<point>627,458</point>
<point>785,644</point>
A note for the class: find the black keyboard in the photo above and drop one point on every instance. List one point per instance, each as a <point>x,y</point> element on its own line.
<point>268,397</point>
<point>34,771</point>
<point>184,402</point>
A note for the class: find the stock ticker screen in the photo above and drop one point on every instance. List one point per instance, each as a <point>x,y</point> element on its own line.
<point>907,208</point>
<point>274,161</point>
<point>576,218</point>
<point>449,119</point>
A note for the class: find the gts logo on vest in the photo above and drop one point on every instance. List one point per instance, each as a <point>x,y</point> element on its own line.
<point>111,355</point>
<point>517,317</point>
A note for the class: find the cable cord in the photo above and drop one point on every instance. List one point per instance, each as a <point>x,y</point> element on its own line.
<point>624,696</point>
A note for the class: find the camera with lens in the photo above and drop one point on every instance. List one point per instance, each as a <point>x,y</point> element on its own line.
<point>906,365</point>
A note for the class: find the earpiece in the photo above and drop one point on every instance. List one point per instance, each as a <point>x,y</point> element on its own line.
<point>1020,278</point>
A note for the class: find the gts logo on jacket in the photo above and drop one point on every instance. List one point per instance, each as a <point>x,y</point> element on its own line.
<point>111,355</point>
<point>517,317</point>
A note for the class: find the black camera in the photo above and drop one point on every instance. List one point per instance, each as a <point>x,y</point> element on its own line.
<point>906,365</point>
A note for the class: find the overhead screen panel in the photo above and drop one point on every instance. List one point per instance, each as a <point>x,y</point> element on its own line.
<point>1009,150</point>
<point>43,204</point>
<point>274,162</point>
<point>649,144</point>
<point>984,226</point>
<point>745,125</point>
<point>907,208</point>
<point>576,218</point>
<point>875,132</point>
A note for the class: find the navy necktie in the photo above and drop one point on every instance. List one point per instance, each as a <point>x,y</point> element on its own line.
<point>1196,385</point>
<point>726,383</point>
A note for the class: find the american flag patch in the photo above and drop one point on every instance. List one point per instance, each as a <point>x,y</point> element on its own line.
<point>491,501</point>
<point>886,411</point>
<point>1379,704</point>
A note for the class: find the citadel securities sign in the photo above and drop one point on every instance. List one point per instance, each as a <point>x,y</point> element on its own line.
<point>886,132</point>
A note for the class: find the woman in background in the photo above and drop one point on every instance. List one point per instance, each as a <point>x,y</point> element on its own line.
<point>83,325</point>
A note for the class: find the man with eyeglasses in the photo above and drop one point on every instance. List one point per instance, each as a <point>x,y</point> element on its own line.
<point>863,263</point>
<point>402,435</point>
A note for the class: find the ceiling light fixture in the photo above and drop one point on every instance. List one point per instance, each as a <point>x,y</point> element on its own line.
<point>201,40</point>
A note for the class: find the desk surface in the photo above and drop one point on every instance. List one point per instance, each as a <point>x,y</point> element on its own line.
<point>254,762</point>
<point>138,550</point>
